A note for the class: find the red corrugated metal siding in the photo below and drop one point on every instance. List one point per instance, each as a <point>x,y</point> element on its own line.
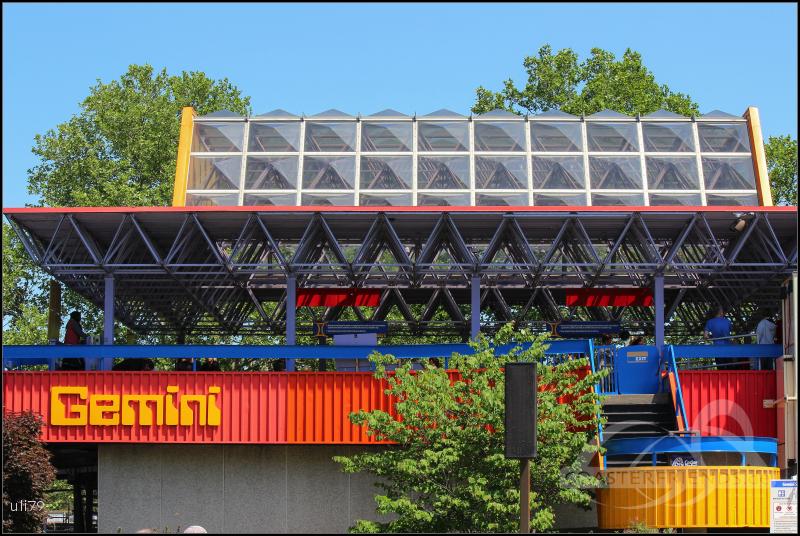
<point>294,407</point>
<point>730,403</point>
<point>256,407</point>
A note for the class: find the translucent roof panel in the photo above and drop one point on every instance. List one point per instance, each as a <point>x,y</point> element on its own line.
<point>612,137</point>
<point>617,199</point>
<point>499,135</point>
<point>333,113</point>
<point>443,172</point>
<point>551,136</point>
<point>212,200</point>
<point>554,114</point>
<point>386,136</point>
<point>329,172</point>
<point>388,112</point>
<point>274,137</point>
<point>561,199</point>
<point>719,114</point>
<point>279,114</point>
<point>270,200</point>
<point>615,172</point>
<point>376,199</point>
<point>723,137</point>
<point>663,114</point>
<point>271,173</point>
<point>668,137</point>
<point>558,172</point>
<point>215,172</point>
<point>742,200</point>
<point>444,112</point>
<point>386,172</point>
<point>608,114</point>
<point>443,135</point>
<point>501,172</point>
<point>728,173</point>
<point>506,199</point>
<point>500,114</point>
<point>674,199</point>
<point>330,137</point>
<point>443,199</point>
<point>328,199</point>
<point>672,173</point>
<point>218,137</point>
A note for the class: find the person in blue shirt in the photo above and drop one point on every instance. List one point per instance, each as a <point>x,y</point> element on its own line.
<point>717,327</point>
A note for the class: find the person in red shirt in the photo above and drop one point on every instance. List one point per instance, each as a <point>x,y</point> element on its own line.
<point>74,334</point>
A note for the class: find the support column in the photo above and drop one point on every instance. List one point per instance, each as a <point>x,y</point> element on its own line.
<point>108,320</point>
<point>658,295</point>
<point>291,321</point>
<point>475,307</point>
<point>54,318</point>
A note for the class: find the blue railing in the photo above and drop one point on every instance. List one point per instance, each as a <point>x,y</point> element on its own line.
<point>15,355</point>
<point>679,403</point>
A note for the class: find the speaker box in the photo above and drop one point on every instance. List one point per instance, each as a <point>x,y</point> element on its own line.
<point>520,416</point>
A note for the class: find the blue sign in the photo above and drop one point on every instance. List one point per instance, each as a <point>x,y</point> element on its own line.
<point>350,328</point>
<point>586,329</point>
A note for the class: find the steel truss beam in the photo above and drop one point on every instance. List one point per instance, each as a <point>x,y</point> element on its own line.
<point>229,276</point>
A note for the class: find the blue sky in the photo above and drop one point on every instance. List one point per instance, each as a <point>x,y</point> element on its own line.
<point>364,58</point>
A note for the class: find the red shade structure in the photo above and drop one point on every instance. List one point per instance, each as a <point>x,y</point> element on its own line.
<point>609,297</point>
<point>334,297</point>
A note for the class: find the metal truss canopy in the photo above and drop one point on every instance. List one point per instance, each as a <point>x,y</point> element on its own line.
<point>225,270</point>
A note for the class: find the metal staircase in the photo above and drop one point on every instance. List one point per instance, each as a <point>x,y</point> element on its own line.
<point>637,416</point>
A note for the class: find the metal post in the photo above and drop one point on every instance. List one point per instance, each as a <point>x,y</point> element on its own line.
<point>524,496</point>
<point>54,318</point>
<point>658,295</point>
<point>291,321</point>
<point>475,307</point>
<point>108,320</point>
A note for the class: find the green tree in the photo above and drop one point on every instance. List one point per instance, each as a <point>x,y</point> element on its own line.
<point>782,165</point>
<point>118,150</point>
<point>448,472</point>
<point>27,473</point>
<point>560,81</point>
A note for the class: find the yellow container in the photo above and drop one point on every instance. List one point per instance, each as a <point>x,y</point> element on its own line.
<point>686,497</point>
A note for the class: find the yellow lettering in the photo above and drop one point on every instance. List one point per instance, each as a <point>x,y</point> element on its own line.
<point>97,412</point>
<point>214,414</point>
<point>145,413</point>
<point>112,410</point>
<point>58,410</point>
<point>187,413</point>
<point>171,410</point>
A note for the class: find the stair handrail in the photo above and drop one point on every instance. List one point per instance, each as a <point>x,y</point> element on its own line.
<point>592,358</point>
<point>673,368</point>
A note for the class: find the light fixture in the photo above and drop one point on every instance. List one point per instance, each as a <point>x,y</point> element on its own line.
<point>741,221</point>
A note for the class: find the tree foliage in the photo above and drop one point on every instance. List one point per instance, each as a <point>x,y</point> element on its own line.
<point>560,81</point>
<point>27,473</point>
<point>782,166</point>
<point>448,472</point>
<point>118,150</point>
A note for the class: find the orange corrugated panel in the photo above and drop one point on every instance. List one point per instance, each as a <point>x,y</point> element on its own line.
<point>686,497</point>
<point>256,407</point>
<point>730,402</point>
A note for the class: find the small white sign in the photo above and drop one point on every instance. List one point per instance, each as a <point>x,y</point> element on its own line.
<point>783,506</point>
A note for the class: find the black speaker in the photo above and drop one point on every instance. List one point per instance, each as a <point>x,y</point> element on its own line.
<point>520,417</point>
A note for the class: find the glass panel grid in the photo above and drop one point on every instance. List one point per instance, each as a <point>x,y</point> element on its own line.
<point>432,161</point>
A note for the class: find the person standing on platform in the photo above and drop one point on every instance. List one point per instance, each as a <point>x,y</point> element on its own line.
<point>765,334</point>
<point>74,334</point>
<point>718,328</point>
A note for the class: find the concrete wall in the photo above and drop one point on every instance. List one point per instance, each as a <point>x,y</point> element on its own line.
<point>230,488</point>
